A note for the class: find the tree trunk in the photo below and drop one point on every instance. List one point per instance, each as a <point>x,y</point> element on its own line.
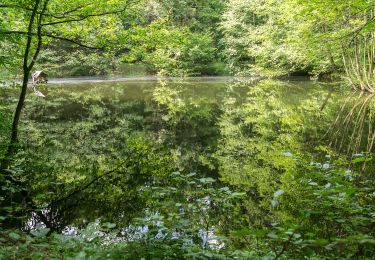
<point>22,197</point>
<point>21,101</point>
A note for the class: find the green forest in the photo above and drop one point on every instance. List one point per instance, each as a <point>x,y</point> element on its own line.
<point>187,129</point>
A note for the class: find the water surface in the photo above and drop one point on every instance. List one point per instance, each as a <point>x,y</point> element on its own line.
<point>224,128</point>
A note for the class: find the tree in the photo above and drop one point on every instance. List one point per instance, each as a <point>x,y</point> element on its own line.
<point>344,29</point>
<point>174,39</point>
<point>32,23</point>
<point>315,37</point>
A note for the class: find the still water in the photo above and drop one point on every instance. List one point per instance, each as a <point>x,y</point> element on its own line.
<point>220,128</point>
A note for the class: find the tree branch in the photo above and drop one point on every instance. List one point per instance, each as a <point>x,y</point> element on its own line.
<point>54,37</point>
<point>78,19</point>
<point>57,16</point>
<point>39,34</point>
<point>16,118</point>
<point>75,9</point>
<point>87,185</point>
<point>16,6</point>
<point>73,41</point>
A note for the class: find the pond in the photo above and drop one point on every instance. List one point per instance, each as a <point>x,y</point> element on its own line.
<point>99,149</point>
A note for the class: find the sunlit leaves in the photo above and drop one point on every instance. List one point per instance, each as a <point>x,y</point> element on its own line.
<point>280,37</point>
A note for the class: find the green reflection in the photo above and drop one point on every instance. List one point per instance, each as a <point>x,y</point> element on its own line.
<point>258,136</point>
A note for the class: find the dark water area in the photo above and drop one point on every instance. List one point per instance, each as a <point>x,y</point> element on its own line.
<point>223,128</point>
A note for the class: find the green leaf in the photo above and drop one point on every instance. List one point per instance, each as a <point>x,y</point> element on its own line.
<point>207,180</point>
<point>273,235</point>
<point>14,236</point>
<point>109,225</point>
<point>41,232</point>
<point>247,232</point>
<point>278,193</point>
<point>362,159</point>
<point>191,174</point>
<point>237,194</point>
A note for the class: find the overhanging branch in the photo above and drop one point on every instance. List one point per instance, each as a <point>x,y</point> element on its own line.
<point>75,9</point>
<point>53,37</point>
<point>78,19</point>
<point>73,41</point>
<point>57,16</point>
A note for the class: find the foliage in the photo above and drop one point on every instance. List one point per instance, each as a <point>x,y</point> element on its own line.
<point>170,51</point>
<point>298,37</point>
<point>247,37</point>
<point>171,39</point>
<point>72,62</point>
<point>261,137</point>
<point>180,168</point>
<point>326,212</point>
<point>196,37</point>
<point>187,169</point>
